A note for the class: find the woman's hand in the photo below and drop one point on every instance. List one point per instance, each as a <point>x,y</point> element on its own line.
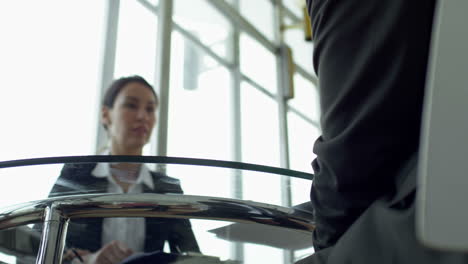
<point>74,255</point>
<point>111,253</point>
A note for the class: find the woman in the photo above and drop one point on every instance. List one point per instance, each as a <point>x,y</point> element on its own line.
<point>128,115</point>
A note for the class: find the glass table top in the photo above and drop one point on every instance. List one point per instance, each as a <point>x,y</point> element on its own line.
<point>236,212</point>
<point>35,179</point>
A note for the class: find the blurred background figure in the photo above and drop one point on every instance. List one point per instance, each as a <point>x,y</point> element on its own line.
<point>129,116</point>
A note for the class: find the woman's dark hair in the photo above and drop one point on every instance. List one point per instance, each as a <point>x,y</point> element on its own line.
<point>117,85</point>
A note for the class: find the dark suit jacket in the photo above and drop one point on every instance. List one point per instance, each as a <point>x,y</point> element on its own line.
<point>87,233</point>
<point>370,58</point>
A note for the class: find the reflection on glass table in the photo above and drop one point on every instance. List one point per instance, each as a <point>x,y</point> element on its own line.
<point>198,214</point>
<point>19,244</point>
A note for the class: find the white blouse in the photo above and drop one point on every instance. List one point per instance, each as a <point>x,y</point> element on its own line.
<point>129,230</point>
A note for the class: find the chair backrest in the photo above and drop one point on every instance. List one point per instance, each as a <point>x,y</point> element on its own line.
<point>442,201</point>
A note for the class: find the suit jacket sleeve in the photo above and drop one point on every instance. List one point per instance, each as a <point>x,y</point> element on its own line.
<point>180,237</point>
<point>76,179</point>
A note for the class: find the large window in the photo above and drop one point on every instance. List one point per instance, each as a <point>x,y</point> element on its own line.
<point>199,93</point>
<point>306,99</point>
<point>50,65</point>
<point>302,50</point>
<point>205,24</point>
<point>199,107</point>
<point>258,63</point>
<point>302,136</point>
<point>303,127</point>
<point>260,135</point>
<point>136,41</point>
<point>224,88</point>
<point>260,14</point>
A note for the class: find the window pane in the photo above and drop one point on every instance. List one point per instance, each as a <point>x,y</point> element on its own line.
<point>50,64</point>
<point>207,24</point>
<point>301,49</point>
<point>254,254</point>
<point>19,244</point>
<point>40,180</point>
<point>136,41</point>
<point>305,98</point>
<point>153,2</point>
<point>302,136</point>
<point>260,14</point>
<point>199,105</point>
<point>300,254</point>
<point>260,127</point>
<point>260,145</point>
<point>294,6</point>
<point>261,187</point>
<point>258,63</point>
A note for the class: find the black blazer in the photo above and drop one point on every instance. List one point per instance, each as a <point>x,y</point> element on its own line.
<point>87,233</point>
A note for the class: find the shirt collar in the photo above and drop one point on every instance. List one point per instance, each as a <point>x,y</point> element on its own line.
<point>102,170</point>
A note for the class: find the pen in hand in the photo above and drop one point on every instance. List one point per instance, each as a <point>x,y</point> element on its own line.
<point>77,255</point>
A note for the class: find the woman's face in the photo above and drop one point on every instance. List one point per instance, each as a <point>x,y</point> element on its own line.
<point>132,118</point>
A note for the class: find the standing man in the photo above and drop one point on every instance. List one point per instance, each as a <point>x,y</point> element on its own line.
<point>371,59</point>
